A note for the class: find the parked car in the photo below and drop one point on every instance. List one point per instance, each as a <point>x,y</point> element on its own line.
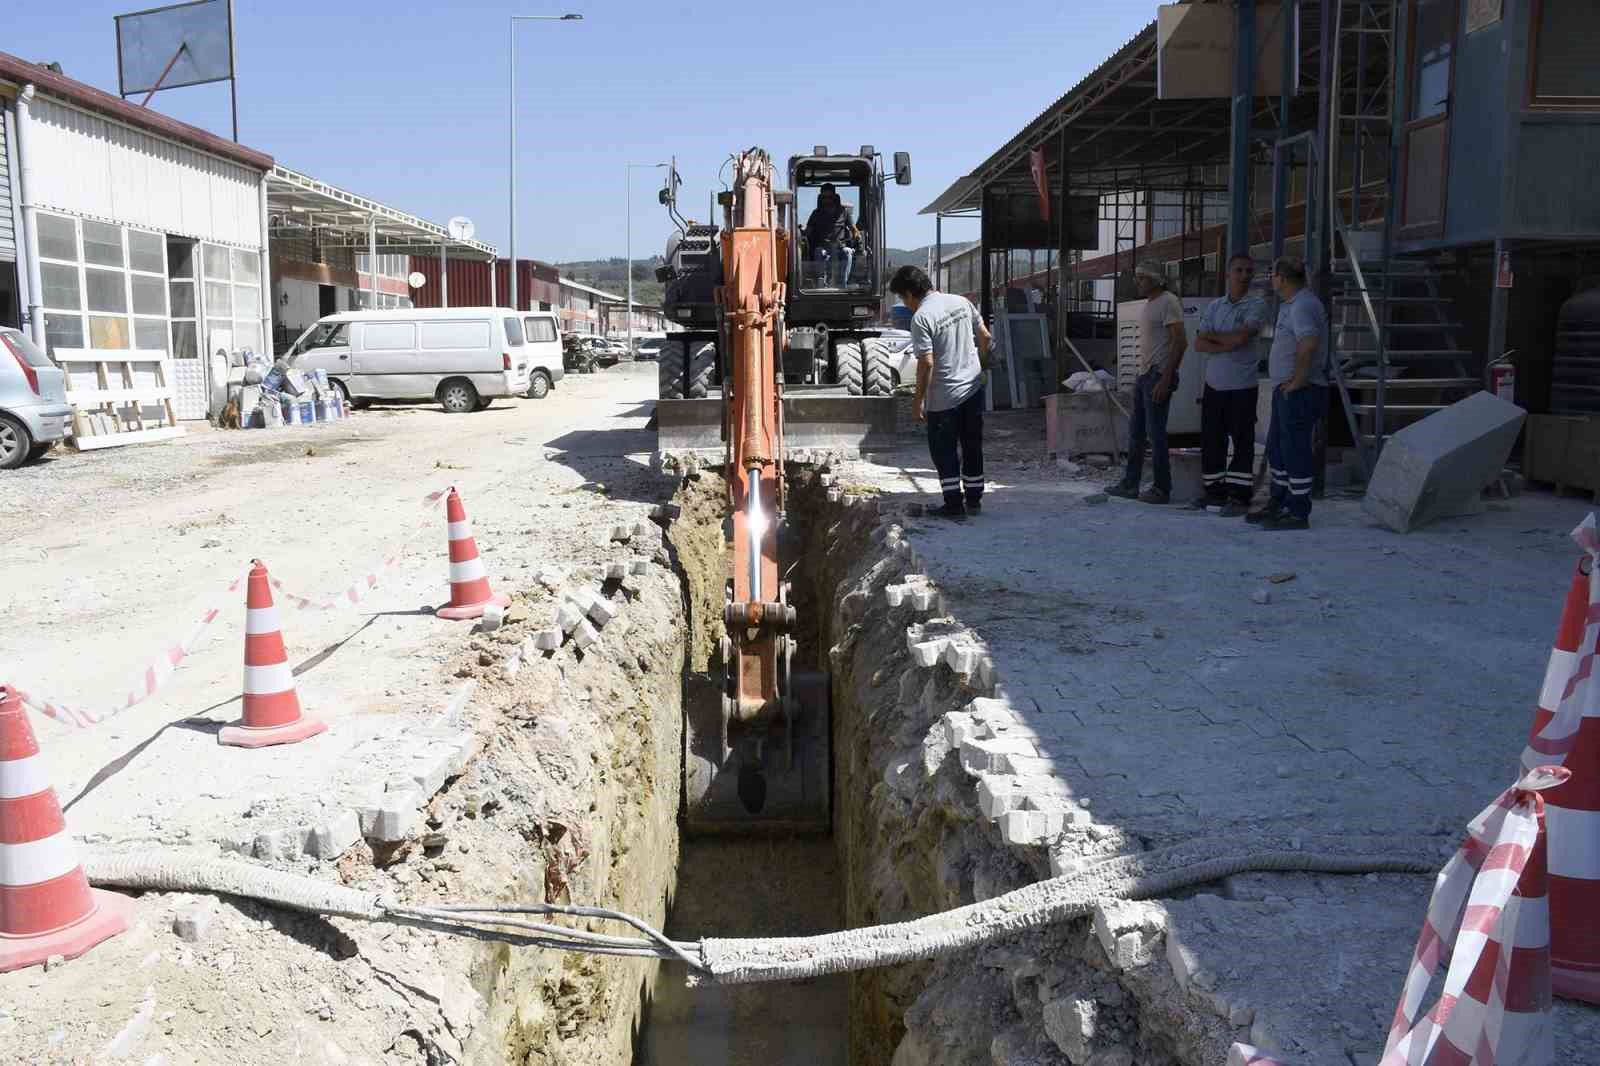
<point>34,413</point>
<point>650,349</point>
<point>609,352</point>
<point>902,362</point>
<point>463,357</point>
<point>545,363</point>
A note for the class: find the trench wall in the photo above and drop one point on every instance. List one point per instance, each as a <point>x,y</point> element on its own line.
<point>920,828</point>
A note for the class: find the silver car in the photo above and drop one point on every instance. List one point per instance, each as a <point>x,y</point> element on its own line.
<point>34,413</point>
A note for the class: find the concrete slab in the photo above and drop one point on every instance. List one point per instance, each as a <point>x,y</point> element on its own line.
<point>1432,469</point>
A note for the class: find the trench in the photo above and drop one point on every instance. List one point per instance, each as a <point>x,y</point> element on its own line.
<point>761,884</point>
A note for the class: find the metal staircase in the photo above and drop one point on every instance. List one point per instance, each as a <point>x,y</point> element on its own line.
<point>1397,353</point>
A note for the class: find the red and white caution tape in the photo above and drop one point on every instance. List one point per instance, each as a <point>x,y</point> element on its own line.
<point>155,675</point>
<point>1247,1055</point>
<point>1555,741</point>
<point>166,663</point>
<point>363,585</point>
<point>1490,1003</point>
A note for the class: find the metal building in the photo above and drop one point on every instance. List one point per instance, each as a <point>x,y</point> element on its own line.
<point>123,228</point>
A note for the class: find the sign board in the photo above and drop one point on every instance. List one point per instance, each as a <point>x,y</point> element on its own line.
<point>1194,50</point>
<point>190,44</point>
<point>1483,13</point>
<point>1504,278</point>
<point>1014,219</point>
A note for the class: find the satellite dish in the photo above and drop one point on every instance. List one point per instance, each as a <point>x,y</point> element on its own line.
<point>461,228</point>
<point>417,279</point>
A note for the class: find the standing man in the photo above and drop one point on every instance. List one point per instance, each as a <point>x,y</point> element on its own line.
<point>1298,367</point>
<point>947,336</point>
<point>1162,342</point>
<point>1227,333</point>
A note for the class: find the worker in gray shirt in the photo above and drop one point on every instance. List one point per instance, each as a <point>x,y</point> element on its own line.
<point>947,337</point>
<point>1162,342</point>
<point>1298,367</point>
<point>1227,334</point>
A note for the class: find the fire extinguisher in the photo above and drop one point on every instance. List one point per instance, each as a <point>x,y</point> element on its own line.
<point>1503,377</point>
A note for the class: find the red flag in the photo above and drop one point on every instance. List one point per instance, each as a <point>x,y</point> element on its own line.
<point>1040,181</point>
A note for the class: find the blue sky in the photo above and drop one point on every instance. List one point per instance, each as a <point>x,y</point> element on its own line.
<point>405,101</point>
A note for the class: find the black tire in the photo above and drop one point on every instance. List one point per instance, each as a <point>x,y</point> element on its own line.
<point>457,396</point>
<point>670,366</point>
<point>350,401</point>
<point>15,443</point>
<point>879,374</point>
<point>40,449</point>
<point>702,370</point>
<point>847,366</point>
<point>484,402</point>
<point>538,386</point>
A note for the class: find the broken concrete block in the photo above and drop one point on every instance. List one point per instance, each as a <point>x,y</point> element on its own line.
<point>927,653</point>
<point>998,794</point>
<point>961,658</point>
<point>835,495</point>
<point>494,616</point>
<point>568,616</point>
<point>1030,828</point>
<point>1432,468</point>
<point>548,639</point>
<point>958,727</point>
<point>639,567</point>
<point>925,598</point>
<point>894,595</point>
<point>1124,929</point>
<point>602,611</point>
<point>335,836</point>
<point>986,756</point>
<point>511,665</point>
<point>641,528</point>
<point>616,571</point>
<point>194,918</point>
<point>584,636</point>
<point>1248,1055</point>
<point>1184,962</point>
<point>621,533</point>
<point>391,817</point>
<point>1072,1023</point>
<point>279,844</point>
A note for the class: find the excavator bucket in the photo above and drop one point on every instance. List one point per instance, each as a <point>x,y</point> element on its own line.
<point>815,418</point>
<point>780,784</point>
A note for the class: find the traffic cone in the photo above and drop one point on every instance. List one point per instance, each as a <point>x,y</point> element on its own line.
<point>469,585</point>
<point>1572,809</point>
<point>271,707</point>
<point>46,905</point>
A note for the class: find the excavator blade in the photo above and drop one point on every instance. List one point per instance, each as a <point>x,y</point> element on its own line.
<point>757,788</point>
<point>815,418</point>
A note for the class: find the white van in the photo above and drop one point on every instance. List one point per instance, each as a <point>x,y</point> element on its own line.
<point>545,363</point>
<point>464,357</point>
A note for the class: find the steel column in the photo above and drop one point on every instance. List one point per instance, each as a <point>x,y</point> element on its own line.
<point>444,274</point>
<point>1244,80</point>
<point>372,261</point>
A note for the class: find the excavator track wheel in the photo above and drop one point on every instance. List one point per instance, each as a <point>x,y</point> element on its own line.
<point>879,375</point>
<point>847,366</point>
<point>701,372</point>
<point>670,367</point>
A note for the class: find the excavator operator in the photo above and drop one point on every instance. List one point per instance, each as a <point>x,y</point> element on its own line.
<point>828,235</point>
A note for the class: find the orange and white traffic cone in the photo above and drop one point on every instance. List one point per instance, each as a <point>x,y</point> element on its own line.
<point>271,707</point>
<point>1566,732</point>
<point>46,905</point>
<point>469,585</point>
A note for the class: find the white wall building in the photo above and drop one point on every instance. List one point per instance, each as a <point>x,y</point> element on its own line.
<point>123,228</point>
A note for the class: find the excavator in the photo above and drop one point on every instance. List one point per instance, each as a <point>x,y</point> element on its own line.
<point>758,758</point>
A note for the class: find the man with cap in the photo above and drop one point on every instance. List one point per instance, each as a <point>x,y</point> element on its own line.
<point>1162,342</point>
<point>1227,334</point>
<point>1298,367</point>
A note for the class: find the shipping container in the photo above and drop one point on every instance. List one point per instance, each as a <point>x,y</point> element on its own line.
<point>538,284</point>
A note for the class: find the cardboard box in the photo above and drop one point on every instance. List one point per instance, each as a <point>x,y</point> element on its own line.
<point>1077,423</point>
<point>1562,450</point>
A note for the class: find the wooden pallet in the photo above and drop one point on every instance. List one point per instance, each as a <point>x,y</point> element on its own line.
<point>118,397</point>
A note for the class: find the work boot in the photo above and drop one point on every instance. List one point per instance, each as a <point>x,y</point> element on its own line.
<point>974,506</point>
<point>1286,520</point>
<point>1158,498</point>
<point>1122,491</point>
<point>950,510</point>
<point>1235,509</point>
<point>1266,514</point>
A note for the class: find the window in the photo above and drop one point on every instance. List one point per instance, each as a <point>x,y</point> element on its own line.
<point>182,299</point>
<point>539,329</point>
<point>102,244</point>
<point>438,336</point>
<point>514,332</point>
<point>1561,59</point>
<point>325,335</point>
<point>389,337</point>
<point>149,295</point>
<point>58,238</point>
<point>144,253</point>
<point>107,290</point>
<point>61,286</point>
<point>1434,46</point>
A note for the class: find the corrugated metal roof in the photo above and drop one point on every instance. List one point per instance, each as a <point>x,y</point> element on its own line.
<point>21,72</point>
<point>963,187</point>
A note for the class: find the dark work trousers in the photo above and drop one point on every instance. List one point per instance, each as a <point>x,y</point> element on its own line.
<point>1289,452</point>
<point>960,427</point>
<point>1149,422</point>
<point>1228,415</point>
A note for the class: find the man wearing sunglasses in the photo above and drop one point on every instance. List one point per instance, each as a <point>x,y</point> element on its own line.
<point>1227,334</point>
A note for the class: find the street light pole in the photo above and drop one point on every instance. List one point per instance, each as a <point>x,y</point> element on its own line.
<point>511,37</point>
<point>631,167</point>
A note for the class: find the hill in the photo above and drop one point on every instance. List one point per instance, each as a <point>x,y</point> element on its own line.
<point>612,276</point>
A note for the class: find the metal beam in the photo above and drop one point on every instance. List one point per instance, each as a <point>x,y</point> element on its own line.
<point>1239,162</point>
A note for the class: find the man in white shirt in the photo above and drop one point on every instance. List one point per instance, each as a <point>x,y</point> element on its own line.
<point>1162,342</point>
